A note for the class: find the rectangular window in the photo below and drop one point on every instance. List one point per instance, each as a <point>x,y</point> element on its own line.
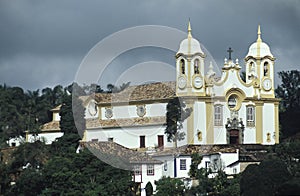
<point>160,139</point>
<point>142,141</point>
<point>234,171</point>
<point>110,139</point>
<point>137,169</point>
<point>250,116</point>
<point>218,115</point>
<point>150,170</point>
<point>207,164</point>
<point>182,164</point>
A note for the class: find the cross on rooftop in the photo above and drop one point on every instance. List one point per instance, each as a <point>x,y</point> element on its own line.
<point>229,52</point>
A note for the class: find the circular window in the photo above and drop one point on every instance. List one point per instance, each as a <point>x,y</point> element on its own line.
<point>232,101</point>
<point>141,110</point>
<point>108,112</point>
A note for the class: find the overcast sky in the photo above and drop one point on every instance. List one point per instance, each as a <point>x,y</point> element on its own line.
<point>42,43</point>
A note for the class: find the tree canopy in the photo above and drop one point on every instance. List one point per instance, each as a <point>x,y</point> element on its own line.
<point>177,112</point>
<point>289,92</point>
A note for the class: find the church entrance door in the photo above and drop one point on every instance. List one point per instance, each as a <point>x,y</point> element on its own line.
<point>234,136</point>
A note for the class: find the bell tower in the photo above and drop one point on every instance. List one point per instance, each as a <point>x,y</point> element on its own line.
<point>260,67</point>
<point>190,67</point>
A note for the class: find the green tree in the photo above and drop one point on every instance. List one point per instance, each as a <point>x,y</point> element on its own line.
<point>219,185</point>
<point>291,187</point>
<point>72,116</point>
<point>4,178</point>
<point>34,155</point>
<point>84,174</point>
<point>289,92</point>
<point>289,89</point>
<point>29,183</point>
<point>265,178</point>
<point>169,186</point>
<point>177,112</point>
<point>289,153</point>
<point>149,189</point>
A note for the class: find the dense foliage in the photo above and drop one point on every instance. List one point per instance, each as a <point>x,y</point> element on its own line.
<point>20,111</point>
<point>27,110</point>
<point>177,112</point>
<point>289,92</point>
<point>56,169</point>
<point>167,186</point>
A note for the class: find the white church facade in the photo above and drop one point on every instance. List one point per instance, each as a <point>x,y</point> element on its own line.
<point>225,110</point>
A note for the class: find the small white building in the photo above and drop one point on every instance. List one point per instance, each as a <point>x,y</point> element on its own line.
<point>15,141</point>
<point>49,131</point>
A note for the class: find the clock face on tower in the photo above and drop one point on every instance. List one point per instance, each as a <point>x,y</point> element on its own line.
<point>181,82</point>
<point>197,82</point>
<point>267,84</point>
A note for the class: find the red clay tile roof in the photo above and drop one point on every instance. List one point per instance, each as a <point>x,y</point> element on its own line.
<point>153,91</point>
<point>244,149</point>
<point>125,122</point>
<point>51,126</point>
<point>57,108</point>
<point>119,156</point>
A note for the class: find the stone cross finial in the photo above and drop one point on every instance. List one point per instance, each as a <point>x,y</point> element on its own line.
<point>229,52</point>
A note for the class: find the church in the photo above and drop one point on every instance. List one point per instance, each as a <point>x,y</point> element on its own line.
<point>233,118</point>
<point>225,109</point>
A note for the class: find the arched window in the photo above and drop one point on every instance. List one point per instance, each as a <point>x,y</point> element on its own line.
<point>251,71</point>
<point>251,66</point>
<point>196,66</point>
<point>182,66</point>
<point>266,69</point>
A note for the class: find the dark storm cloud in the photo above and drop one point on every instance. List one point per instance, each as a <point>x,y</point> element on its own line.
<point>43,42</point>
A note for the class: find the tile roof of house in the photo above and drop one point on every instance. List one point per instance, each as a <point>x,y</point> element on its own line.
<point>57,108</point>
<point>125,122</point>
<point>244,149</point>
<point>153,91</point>
<point>51,126</point>
<point>118,155</point>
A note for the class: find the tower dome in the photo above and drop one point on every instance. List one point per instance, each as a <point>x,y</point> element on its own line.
<point>259,48</point>
<point>189,46</point>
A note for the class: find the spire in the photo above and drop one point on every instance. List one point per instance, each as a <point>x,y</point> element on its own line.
<point>258,34</point>
<point>189,29</point>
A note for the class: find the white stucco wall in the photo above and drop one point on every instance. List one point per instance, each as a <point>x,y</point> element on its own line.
<point>232,82</point>
<point>268,123</point>
<point>47,137</point>
<point>200,122</point>
<point>16,141</point>
<point>130,136</point>
<point>56,116</point>
<point>183,173</point>
<point>152,110</point>
<point>168,165</point>
<point>150,178</point>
